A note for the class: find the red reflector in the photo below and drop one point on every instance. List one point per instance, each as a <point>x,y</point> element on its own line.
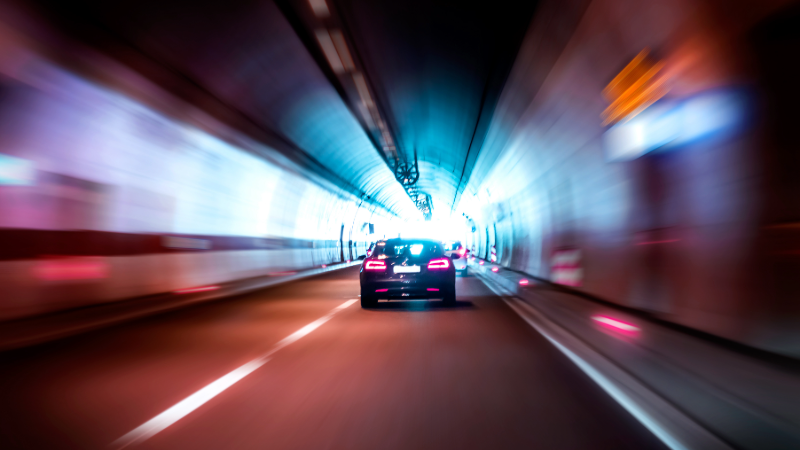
<point>616,324</point>
<point>71,268</point>
<point>375,265</point>
<point>433,289</point>
<point>381,290</point>
<point>439,264</point>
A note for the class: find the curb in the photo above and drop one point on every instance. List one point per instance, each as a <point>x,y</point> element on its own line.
<point>676,429</point>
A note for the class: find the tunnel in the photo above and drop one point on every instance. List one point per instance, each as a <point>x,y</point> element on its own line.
<point>198,201</point>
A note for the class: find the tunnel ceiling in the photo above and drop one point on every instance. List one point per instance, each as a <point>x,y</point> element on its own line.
<point>436,70</point>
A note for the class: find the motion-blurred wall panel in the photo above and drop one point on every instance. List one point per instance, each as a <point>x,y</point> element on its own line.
<point>103,198</point>
<point>666,208</point>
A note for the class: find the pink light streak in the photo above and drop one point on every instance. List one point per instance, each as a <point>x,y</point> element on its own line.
<point>381,290</point>
<point>523,282</point>
<point>433,289</point>
<point>666,241</point>
<point>495,269</point>
<point>615,324</point>
<point>196,289</point>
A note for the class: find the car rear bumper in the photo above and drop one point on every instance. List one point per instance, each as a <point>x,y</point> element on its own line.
<point>401,290</point>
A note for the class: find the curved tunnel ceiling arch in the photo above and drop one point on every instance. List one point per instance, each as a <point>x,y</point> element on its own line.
<point>437,69</point>
<point>270,80</point>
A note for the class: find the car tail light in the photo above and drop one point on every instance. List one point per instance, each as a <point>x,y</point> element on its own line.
<point>462,251</point>
<point>375,265</point>
<point>439,264</point>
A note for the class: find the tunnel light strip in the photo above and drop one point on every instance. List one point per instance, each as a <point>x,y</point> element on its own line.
<point>196,289</point>
<point>194,401</point>
<point>329,49</point>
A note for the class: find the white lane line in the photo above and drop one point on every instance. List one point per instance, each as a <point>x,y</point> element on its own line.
<point>184,407</point>
<point>194,401</point>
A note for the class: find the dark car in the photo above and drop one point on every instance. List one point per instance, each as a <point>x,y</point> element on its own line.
<point>406,269</point>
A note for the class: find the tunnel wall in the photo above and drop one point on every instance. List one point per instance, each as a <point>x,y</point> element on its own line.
<point>103,198</point>
<point>678,231</point>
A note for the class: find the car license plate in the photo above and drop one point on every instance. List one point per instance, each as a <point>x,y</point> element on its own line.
<point>406,269</point>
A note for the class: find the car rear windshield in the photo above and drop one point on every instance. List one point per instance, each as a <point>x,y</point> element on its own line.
<point>421,249</point>
<point>450,246</point>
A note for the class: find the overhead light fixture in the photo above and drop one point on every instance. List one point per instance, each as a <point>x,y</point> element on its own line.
<point>341,47</point>
<point>325,42</point>
<point>363,91</point>
<point>320,8</point>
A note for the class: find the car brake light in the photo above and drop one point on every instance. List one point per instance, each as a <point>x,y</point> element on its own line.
<point>375,265</point>
<point>439,264</point>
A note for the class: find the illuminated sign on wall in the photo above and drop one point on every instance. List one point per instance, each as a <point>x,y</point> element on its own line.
<point>676,123</point>
<point>640,84</point>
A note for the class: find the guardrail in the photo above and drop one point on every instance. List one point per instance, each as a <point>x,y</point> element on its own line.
<point>39,329</point>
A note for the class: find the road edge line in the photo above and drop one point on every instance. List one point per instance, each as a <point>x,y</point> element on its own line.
<point>670,425</point>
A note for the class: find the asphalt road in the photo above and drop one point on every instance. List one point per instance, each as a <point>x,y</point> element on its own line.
<point>272,375</point>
